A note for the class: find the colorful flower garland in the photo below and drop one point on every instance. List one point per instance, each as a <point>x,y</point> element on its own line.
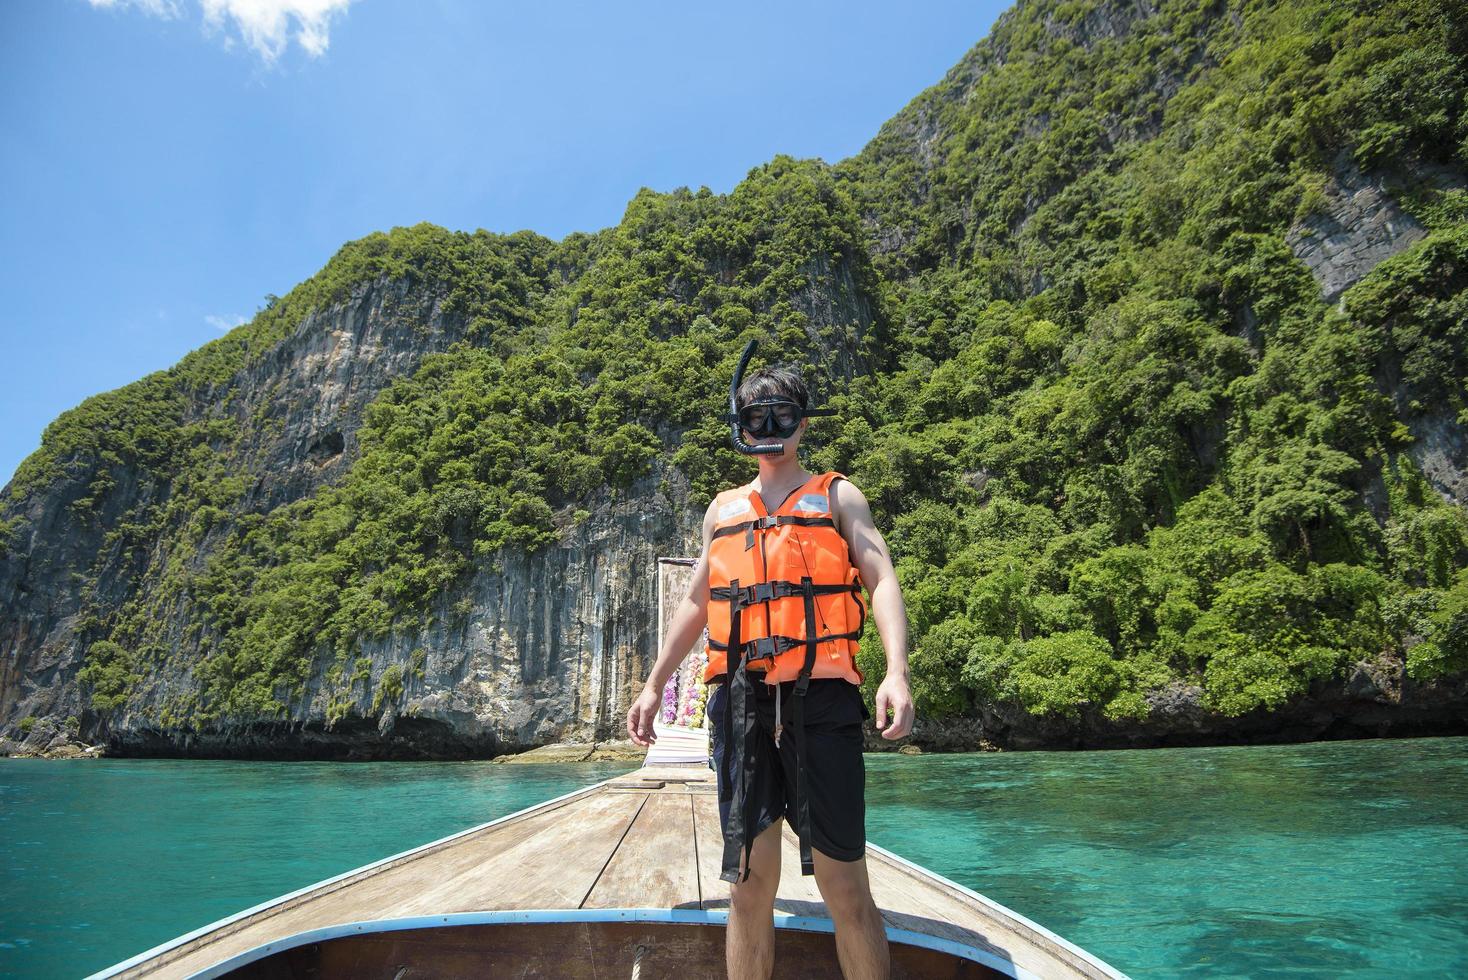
<point>686,694</point>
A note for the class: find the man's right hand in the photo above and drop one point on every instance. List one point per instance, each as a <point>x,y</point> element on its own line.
<point>641,716</point>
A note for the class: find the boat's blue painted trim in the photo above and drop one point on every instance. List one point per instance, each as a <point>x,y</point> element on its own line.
<point>712,917</point>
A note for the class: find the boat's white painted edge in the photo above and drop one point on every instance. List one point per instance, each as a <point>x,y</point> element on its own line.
<point>714,917</point>
<point>1005,911</point>
<point>190,936</point>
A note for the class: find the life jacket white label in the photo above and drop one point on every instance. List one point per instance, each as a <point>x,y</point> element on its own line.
<point>732,508</point>
<point>817,502</point>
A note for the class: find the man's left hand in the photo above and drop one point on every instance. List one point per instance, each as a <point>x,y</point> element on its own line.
<point>894,697</point>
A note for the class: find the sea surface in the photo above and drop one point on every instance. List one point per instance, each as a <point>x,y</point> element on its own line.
<point>1340,859</point>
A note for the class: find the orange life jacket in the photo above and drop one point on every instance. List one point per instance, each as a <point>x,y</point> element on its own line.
<point>789,579</point>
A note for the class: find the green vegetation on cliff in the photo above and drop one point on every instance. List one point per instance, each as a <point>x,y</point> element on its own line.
<point>1118,439</point>
<point>1171,461</point>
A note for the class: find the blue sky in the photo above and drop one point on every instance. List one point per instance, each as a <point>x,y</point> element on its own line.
<point>167,163</point>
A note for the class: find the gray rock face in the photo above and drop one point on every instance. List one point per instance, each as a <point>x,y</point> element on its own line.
<point>838,317</point>
<point>1441,452</point>
<point>302,404</point>
<point>553,648</point>
<point>1360,228</point>
<point>558,640</point>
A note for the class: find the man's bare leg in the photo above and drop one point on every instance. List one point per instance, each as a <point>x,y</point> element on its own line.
<point>861,935</point>
<point>749,941</point>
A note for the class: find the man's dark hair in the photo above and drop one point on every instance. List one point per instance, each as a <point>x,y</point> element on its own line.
<point>780,381</point>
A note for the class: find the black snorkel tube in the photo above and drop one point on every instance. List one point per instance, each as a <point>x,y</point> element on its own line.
<point>735,435</point>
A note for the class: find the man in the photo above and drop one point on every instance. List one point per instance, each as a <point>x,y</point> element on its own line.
<point>795,750</point>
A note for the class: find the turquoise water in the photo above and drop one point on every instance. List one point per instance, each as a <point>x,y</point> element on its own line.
<point>1333,859</point>
<point>103,859</point>
<point>1343,859</point>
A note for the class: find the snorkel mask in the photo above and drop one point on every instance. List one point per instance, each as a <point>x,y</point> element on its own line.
<point>765,417</point>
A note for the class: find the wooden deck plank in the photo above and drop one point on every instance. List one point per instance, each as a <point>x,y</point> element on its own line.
<point>684,772</point>
<point>557,868</point>
<point>654,866</point>
<point>481,873</point>
<point>467,875</point>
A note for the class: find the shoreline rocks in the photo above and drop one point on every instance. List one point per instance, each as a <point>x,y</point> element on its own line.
<point>623,751</point>
<point>11,749</point>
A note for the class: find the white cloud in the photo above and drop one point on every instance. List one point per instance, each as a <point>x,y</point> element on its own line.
<point>158,8</point>
<point>266,26</point>
<point>225,323</point>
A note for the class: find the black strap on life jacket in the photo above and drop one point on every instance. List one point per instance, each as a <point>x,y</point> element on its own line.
<point>747,528</point>
<point>779,589</point>
<point>797,727</point>
<point>768,647</point>
<point>741,724</point>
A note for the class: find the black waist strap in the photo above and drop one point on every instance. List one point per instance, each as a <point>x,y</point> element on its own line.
<point>769,647</point>
<point>778,589</point>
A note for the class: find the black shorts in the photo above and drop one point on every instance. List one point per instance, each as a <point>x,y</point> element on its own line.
<point>835,778</point>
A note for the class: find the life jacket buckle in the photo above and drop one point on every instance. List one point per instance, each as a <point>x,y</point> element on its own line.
<point>762,592</point>
<point>764,648</point>
<point>758,524</point>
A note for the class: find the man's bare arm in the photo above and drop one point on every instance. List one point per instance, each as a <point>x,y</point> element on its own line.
<point>870,555</point>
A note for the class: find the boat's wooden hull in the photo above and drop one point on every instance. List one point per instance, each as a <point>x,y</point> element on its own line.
<point>573,950</point>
